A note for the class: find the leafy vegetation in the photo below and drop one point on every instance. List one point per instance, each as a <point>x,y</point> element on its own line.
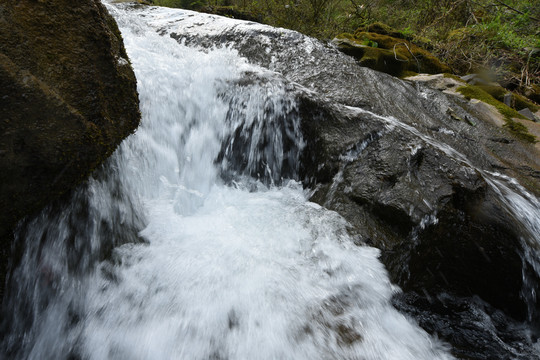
<point>498,37</point>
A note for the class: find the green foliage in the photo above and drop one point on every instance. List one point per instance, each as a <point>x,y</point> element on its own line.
<point>408,32</point>
<point>370,43</point>
<point>471,35</point>
<point>468,35</point>
<point>504,34</point>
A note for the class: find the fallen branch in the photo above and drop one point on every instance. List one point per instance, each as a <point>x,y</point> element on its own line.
<point>410,52</point>
<point>516,10</point>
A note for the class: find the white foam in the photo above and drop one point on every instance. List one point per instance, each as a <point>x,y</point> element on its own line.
<point>228,272</point>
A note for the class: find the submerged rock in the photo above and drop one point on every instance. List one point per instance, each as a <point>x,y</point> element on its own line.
<point>68,98</point>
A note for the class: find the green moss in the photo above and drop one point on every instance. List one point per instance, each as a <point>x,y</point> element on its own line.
<point>395,56</point>
<point>498,92</point>
<point>383,29</point>
<point>373,57</point>
<point>521,102</point>
<point>408,73</point>
<point>183,4</point>
<point>476,92</point>
<point>533,93</point>
<point>517,129</point>
<point>419,60</point>
<point>458,34</point>
<point>346,36</point>
<point>518,102</point>
<point>452,76</point>
<point>520,131</point>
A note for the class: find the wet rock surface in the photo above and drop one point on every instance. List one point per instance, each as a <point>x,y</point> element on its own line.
<point>414,171</point>
<point>475,329</point>
<point>441,226</point>
<point>68,98</point>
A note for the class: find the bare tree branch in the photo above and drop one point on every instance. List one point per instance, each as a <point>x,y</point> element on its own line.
<point>407,46</point>
<point>516,10</point>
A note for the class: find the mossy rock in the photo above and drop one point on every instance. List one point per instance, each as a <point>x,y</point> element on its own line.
<point>382,29</point>
<point>374,58</point>
<point>533,93</point>
<point>498,92</point>
<point>455,77</point>
<point>232,12</point>
<point>518,102</point>
<point>521,102</point>
<point>517,129</point>
<point>392,55</point>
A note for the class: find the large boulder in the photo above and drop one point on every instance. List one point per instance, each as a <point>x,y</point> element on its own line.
<point>67,99</point>
<point>455,246</point>
<point>439,223</point>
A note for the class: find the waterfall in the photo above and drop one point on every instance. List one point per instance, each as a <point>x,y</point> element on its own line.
<point>195,240</point>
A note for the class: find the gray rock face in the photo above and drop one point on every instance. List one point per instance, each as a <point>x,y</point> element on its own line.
<point>68,97</point>
<point>428,212</point>
<point>528,114</point>
<point>445,232</point>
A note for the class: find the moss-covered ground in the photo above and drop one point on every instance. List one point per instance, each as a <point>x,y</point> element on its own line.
<point>519,130</point>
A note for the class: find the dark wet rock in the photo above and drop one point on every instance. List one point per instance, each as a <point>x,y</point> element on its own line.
<point>528,114</point>
<point>476,330</point>
<point>412,181</point>
<point>441,226</point>
<point>431,209</point>
<point>68,98</point>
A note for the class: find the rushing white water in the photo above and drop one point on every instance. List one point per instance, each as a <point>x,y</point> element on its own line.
<point>239,271</point>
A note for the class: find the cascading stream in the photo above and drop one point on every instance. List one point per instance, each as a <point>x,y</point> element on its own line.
<point>157,258</point>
